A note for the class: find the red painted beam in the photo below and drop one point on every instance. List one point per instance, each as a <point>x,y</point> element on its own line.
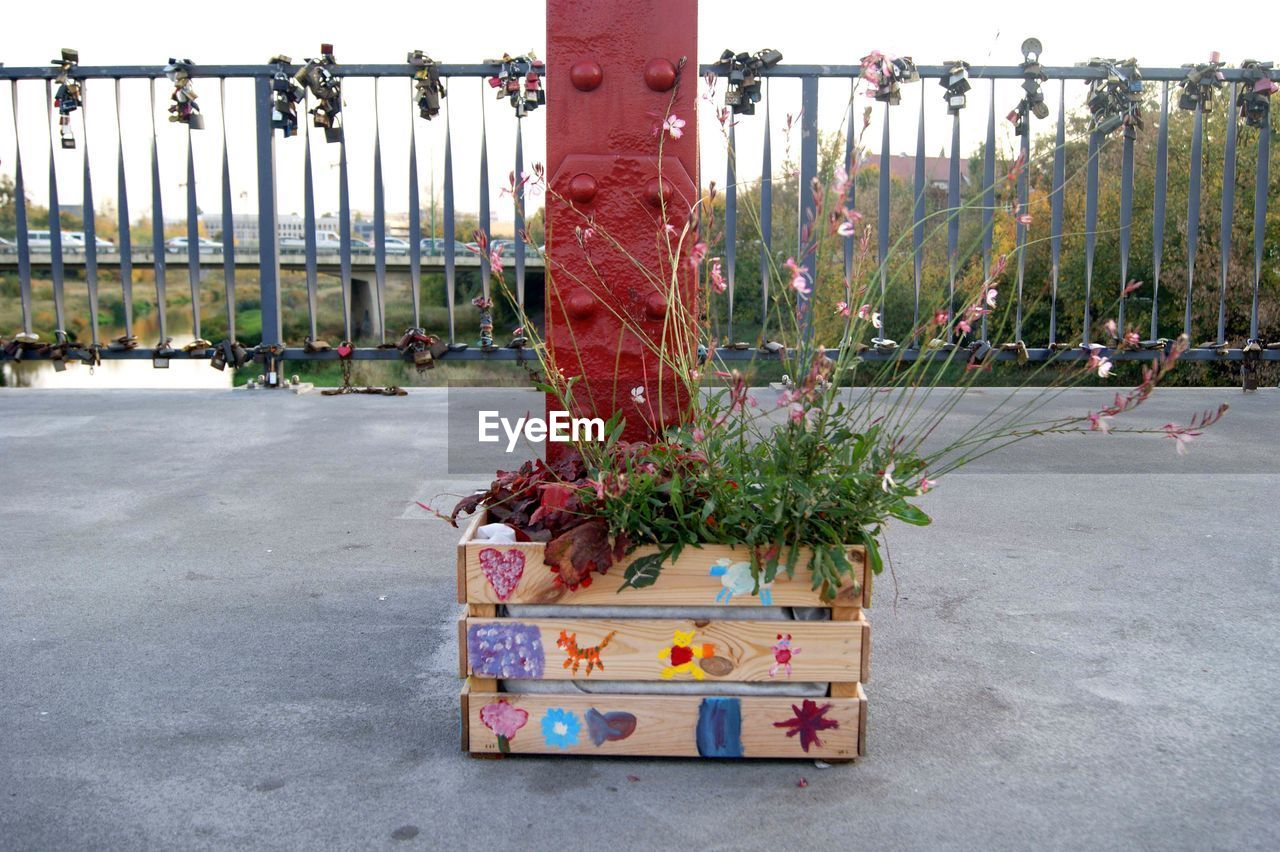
<point>616,70</point>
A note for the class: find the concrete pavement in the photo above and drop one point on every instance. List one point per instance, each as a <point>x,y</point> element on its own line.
<point>225,624</point>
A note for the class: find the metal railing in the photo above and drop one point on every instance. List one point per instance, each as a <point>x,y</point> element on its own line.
<point>999,80</point>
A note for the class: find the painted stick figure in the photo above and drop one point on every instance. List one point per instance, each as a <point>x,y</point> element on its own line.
<point>782,653</point>
<point>736,579</point>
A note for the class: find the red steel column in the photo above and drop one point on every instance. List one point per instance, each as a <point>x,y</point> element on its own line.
<point>616,70</point>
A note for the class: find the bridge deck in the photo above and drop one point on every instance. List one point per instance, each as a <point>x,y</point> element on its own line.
<point>225,623</point>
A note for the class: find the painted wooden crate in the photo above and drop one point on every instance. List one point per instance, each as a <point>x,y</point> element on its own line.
<point>507,649</point>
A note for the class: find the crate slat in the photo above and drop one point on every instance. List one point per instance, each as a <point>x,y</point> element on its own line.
<point>666,725</point>
<point>642,648</point>
<point>516,573</point>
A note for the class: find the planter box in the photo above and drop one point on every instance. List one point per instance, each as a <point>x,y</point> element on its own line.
<point>716,656</point>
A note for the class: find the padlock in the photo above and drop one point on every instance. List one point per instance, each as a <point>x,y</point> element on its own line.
<point>423,359</point>
<point>345,349</point>
<point>438,348</point>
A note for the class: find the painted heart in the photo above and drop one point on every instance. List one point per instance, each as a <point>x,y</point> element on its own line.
<point>614,725</point>
<point>344,350</point>
<point>503,568</point>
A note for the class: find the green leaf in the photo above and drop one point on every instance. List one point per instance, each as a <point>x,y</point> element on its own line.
<point>904,511</point>
<point>873,551</point>
<point>642,572</point>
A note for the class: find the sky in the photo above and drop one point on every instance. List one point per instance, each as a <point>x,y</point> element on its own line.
<point>806,31</point>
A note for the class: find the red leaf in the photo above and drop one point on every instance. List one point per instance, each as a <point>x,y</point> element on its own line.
<point>575,553</point>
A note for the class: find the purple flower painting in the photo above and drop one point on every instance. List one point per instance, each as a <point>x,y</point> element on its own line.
<point>507,650</point>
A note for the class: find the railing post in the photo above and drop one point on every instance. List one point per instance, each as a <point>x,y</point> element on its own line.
<point>268,243</point>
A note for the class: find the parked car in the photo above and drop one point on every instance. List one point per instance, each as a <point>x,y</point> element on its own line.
<point>7,246</point>
<point>326,242</point>
<point>395,245</point>
<point>178,245</point>
<point>435,246</point>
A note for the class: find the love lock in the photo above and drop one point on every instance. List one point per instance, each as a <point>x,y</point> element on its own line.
<point>1255,92</point>
<point>956,82</point>
<point>162,353</point>
<point>345,349</point>
<point>1200,83</point>
<point>314,346</point>
<point>1249,365</point>
<point>426,81</point>
<point>742,71</point>
<point>1032,102</point>
<point>69,96</point>
<point>182,103</point>
<point>519,80</point>
<point>286,94</point>
<point>326,88</point>
<point>1116,99</point>
<point>887,74</point>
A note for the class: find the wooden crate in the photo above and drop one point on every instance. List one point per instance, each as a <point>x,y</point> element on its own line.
<point>510,649</point>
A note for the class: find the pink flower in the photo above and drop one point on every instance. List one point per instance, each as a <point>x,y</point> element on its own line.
<point>865,313</point>
<point>964,326</point>
<point>845,229</point>
<point>495,260</point>
<point>1181,436</point>
<point>843,309</point>
<point>588,234</point>
<point>796,413</point>
<point>926,485</point>
<point>886,478</point>
<point>798,282</point>
<point>1131,338</point>
<point>990,297</point>
<point>637,394</point>
<point>503,718</point>
<point>1109,327</point>
<point>1099,422</point>
<point>940,317</point>
<point>718,282</point>
<point>674,126</point>
<point>1024,219</point>
<point>1131,286</point>
<point>699,435</point>
<point>698,252</point>
<point>1104,367</point>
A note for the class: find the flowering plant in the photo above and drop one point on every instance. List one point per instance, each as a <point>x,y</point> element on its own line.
<point>805,471</point>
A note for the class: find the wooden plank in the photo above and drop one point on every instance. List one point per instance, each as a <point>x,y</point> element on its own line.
<point>467,534</point>
<point>666,725</point>
<point>463,666</point>
<point>862,721</point>
<point>645,649</point>
<point>515,573</point>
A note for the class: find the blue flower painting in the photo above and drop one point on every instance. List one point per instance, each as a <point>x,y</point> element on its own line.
<point>505,650</point>
<point>560,728</point>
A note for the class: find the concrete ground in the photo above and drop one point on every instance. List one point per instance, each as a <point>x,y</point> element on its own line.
<point>225,624</point>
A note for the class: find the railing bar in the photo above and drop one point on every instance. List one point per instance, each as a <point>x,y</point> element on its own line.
<point>268,226</point>
<point>20,219</point>
<point>1091,232</point>
<point>447,236</point>
<point>415,217</point>
<point>484,198</point>
<point>157,226</point>
<point>193,238</point>
<point>379,221</point>
<point>953,221</point>
<point>126,237</point>
<point>55,224</point>
<point>1228,211</point>
<point>849,155</point>
<point>344,235</point>
<point>1126,223</point>
<point>1193,211</point>
<point>1021,228</point>
<point>1158,214</point>
<point>488,69</point>
<point>228,223</point>
<point>988,193</point>
<point>882,218</point>
<point>731,224</point>
<point>766,218</point>
<point>309,237</point>
<point>517,200</point>
<point>808,224</point>
<point>1260,198</point>
<point>917,230</point>
<point>90,225</point>
<point>1059,190</point>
